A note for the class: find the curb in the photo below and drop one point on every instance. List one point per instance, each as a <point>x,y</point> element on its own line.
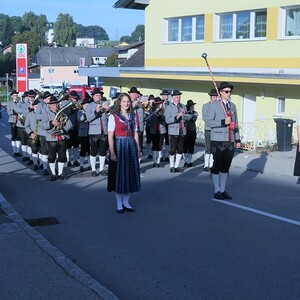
<point>72,269</point>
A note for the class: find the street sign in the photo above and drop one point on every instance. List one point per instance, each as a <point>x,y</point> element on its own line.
<point>22,67</point>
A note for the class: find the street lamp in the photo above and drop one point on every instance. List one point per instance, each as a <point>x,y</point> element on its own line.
<point>6,87</point>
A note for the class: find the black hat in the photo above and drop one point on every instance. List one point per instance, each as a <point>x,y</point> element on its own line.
<point>47,94</point>
<point>176,93</point>
<point>117,94</point>
<point>31,93</point>
<point>190,102</point>
<point>133,89</point>
<point>151,97</point>
<point>74,94</point>
<point>13,92</point>
<point>97,91</point>
<point>224,85</point>
<point>165,92</point>
<point>158,100</point>
<point>85,101</point>
<point>35,102</point>
<point>213,92</point>
<point>53,100</point>
<point>25,94</point>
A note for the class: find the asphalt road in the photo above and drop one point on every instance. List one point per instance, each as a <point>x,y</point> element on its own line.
<point>179,244</point>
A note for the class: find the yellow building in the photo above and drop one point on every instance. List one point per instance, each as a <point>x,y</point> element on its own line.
<point>252,44</point>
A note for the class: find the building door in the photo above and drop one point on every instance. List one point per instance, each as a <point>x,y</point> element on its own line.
<point>248,119</point>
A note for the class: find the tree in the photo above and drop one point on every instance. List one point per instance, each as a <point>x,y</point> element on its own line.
<point>93,31</point>
<point>125,39</point>
<point>16,23</point>
<point>112,60</point>
<point>7,64</point>
<point>6,31</point>
<point>65,30</point>
<point>138,35</point>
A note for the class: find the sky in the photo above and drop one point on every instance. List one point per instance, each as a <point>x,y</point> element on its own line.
<point>116,22</point>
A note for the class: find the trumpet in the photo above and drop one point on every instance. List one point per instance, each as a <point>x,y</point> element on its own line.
<point>39,94</point>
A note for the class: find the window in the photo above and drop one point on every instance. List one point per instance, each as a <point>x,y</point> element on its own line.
<point>280,105</point>
<point>242,25</point>
<point>292,22</point>
<point>185,29</point>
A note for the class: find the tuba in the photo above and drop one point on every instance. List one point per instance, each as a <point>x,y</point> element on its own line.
<point>39,94</point>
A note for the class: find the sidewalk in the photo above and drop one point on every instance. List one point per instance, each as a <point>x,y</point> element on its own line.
<point>31,268</point>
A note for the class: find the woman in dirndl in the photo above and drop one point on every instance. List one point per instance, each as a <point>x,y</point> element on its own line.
<point>125,152</point>
<point>297,160</point>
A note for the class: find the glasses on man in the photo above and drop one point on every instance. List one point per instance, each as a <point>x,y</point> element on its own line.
<point>227,91</point>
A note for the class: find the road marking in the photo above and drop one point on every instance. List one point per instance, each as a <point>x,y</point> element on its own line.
<point>259,212</point>
<point>3,124</point>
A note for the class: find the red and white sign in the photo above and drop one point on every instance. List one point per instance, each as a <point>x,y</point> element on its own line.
<point>22,67</point>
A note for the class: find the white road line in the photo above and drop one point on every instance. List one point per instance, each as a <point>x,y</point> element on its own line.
<point>259,212</point>
<point>3,124</point>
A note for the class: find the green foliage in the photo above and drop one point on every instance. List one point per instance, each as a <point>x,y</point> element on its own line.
<point>138,35</point>
<point>112,60</point>
<point>6,31</point>
<point>7,64</point>
<point>94,31</point>
<point>65,30</point>
<point>125,39</point>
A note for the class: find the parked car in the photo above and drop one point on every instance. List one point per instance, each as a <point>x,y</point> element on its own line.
<point>55,89</point>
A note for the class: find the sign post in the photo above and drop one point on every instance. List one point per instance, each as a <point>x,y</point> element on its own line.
<point>22,67</point>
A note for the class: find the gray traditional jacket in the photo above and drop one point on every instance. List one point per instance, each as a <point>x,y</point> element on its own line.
<point>31,123</point>
<point>47,125</point>
<point>205,116</point>
<point>216,121</point>
<point>97,121</point>
<point>171,111</point>
<point>83,124</point>
<point>40,112</point>
<point>22,108</point>
<point>11,111</point>
<point>140,114</point>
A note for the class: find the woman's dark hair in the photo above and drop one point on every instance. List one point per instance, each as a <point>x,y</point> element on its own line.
<point>118,103</point>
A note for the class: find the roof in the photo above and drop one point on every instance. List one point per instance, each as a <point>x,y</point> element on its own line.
<point>132,4</point>
<point>131,46</point>
<point>70,56</point>
<point>137,59</point>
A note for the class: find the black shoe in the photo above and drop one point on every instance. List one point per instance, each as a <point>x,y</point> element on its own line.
<point>89,168</point>
<point>81,169</point>
<point>25,158</point>
<point>46,172</point>
<point>154,165</point>
<point>69,164</point>
<point>103,173</point>
<point>158,165</point>
<point>120,211</point>
<point>185,165</point>
<point>190,165</point>
<point>35,167</point>
<point>218,196</point>
<point>178,170</point>
<point>206,169</point>
<point>76,163</point>
<point>30,162</point>
<point>166,159</point>
<point>61,177</point>
<point>18,154</point>
<point>172,170</point>
<point>226,195</point>
<point>53,177</point>
<point>41,167</point>
<point>94,174</point>
<point>149,156</point>
<point>129,209</point>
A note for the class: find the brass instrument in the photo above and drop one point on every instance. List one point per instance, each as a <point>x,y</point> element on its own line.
<point>62,118</point>
<point>62,96</point>
<point>39,94</point>
<point>36,129</point>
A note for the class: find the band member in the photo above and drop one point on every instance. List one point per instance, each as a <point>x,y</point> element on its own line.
<point>123,140</point>
<point>73,141</point>
<point>165,153</point>
<point>157,130</point>
<point>208,157</point>
<point>223,121</point>
<point>83,133</point>
<point>41,111</point>
<point>22,108</point>
<point>56,136</point>
<point>139,112</point>
<point>12,120</point>
<point>97,118</point>
<point>174,112</point>
<point>31,128</point>
<point>191,134</point>
<point>148,112</point>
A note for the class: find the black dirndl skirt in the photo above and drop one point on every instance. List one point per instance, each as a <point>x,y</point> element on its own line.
<point>124,174</point>
<point>297,162</point>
